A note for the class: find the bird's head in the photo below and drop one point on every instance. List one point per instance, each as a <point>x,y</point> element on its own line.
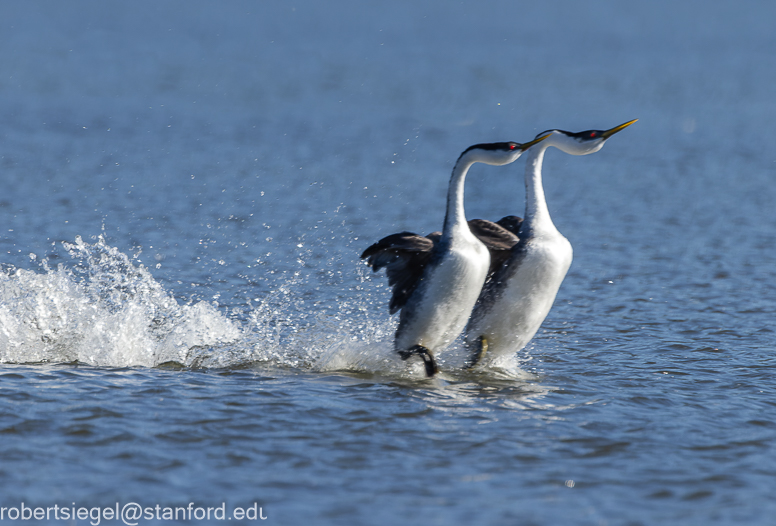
<point>581,143</point>
<point>499,153</point>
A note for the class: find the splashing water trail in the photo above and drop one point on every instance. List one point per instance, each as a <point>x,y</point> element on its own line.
<point>108,310</point>
<point>105,311</point>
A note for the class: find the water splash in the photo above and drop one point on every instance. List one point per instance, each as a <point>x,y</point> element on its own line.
<point>105,311</point>
<point>339,333</point>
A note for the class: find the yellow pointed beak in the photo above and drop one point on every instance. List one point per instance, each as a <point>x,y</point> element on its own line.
<point>527,145</point>
<point>609,133</point>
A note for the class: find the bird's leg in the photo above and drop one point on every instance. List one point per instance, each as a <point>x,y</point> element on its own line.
<point>479,349</point>
<point>425,355</point>
<point>429,363</point>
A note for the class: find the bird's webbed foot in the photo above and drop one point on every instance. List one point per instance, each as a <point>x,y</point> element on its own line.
<point>425,355</point>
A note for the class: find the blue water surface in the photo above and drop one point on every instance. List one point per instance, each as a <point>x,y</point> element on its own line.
<point>184,318</point>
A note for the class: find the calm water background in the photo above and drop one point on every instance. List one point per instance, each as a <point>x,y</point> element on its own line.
<point>186,188</point>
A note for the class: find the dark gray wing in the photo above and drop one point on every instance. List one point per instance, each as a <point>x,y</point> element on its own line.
<point>498,239</point>
<point>404,256</point>
<point>511,223</point>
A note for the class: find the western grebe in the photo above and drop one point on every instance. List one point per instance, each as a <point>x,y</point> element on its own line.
<point>518,295</point>
<point>437,290</point>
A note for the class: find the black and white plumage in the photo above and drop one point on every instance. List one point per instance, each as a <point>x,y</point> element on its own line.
<point>437,279</point>
<point>406,254</point>
<point>519,294</point>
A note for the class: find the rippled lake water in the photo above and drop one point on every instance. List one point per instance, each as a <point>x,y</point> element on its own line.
<point>187,187</point>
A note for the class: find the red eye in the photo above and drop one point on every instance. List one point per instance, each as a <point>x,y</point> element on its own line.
<point>512,146</point>
<point>592,134</point>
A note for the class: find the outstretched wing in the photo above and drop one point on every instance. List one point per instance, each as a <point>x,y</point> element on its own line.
<point>404,256</point>
<point>497,238</point>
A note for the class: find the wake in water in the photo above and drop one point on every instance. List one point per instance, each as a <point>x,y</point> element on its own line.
<point>107,310</point>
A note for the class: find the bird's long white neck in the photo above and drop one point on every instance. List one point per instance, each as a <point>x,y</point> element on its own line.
<point>537,215</point>
<point>455,218</point>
